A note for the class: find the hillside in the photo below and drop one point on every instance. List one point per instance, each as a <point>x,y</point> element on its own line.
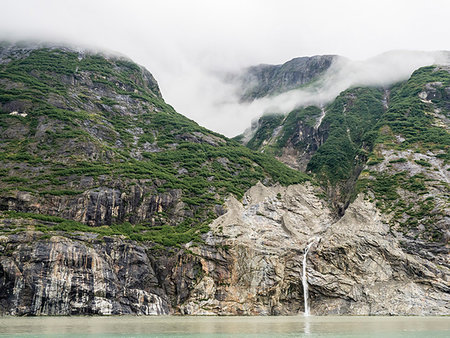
<point>346,143</point>
<point>407,171</point>
<point>87,140</point>
<point>264,80</point>
<point>112,203</point>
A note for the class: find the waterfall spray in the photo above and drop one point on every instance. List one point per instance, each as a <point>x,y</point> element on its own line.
<point>305,278</point>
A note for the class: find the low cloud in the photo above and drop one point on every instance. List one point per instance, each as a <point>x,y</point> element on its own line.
<point>185,43</point>
<point>219,102</point>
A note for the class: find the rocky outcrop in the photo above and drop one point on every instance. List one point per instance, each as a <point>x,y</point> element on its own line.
<point>262,80</point>
<point>361,268</point>
<point>62,276</point>
<point>104,205</point>
<point>303,144</point>
<point>292,139</point>
<point>358,266</point>
<point>249,264</point>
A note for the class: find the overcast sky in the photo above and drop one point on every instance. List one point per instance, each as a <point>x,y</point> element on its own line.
<point>183,43</point>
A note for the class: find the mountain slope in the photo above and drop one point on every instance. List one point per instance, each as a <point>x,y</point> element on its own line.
<point>112,203</point>
<point>263,80</point>
<point>336,144</point>
<point>88,138</point>
<point>408,170</point>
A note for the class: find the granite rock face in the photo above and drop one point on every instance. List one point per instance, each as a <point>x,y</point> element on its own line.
<point>250,264</point>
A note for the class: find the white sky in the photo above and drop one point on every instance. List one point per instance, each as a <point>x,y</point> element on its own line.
<point>183,42</point>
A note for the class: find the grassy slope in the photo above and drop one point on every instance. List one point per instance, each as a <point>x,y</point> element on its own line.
<point>349,122</point>
<point>92,117</point>
<point>413,137</point>
<point>359,132</point>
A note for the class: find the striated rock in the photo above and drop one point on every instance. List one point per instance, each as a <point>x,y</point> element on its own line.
<point>358,267</point>
<point>104,205</point>
<point>250,264</point>
<point>363,263</point>
<point>62,277</point>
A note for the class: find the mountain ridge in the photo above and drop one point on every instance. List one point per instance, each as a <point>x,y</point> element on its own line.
<point>262,80</point>
<point>112,203</point>
<point>337,145</point>
<point>80,117</point>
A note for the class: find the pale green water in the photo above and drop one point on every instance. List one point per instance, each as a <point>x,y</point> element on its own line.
<point>167,326</point>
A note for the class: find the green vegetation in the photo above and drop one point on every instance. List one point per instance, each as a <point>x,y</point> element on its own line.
<point>391,191</point>
<point>267,125</point>
<point>399,160</point>
<point>423,163</point>
<point>409,123</point>
<point>288,126</point>
<point>350,120</point>
<point>108,101</point>
<point>409,117</point>
<point>101,121</point>
<point>165,235</point>
<point>307,116</point>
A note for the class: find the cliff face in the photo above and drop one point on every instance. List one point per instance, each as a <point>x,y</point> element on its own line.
<point>292,139</point>
<point>112,203</point>
<point>87,137</point>
<point>250,263</point>
<point>262,80</point>
<point>62,276</point>
<point>357,266</point>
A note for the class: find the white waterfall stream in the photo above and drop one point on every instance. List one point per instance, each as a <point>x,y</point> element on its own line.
<point>305,278</point>
<point>319,121</point>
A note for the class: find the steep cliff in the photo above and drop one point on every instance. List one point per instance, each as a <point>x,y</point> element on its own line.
<point>407,173</point>
<point>262,80</point>
<point>250,264</point>
<point>88,138</point>
<point>112,203</point>
<point>358,265</point>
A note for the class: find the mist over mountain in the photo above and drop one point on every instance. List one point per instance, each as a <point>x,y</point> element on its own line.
<point>121,191</point>
<point>250,96</point>
<point>264,80</point>
<point>102,180</point>
<point>187,56</point>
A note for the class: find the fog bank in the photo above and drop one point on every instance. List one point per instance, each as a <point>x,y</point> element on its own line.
<point>184,44</point>
<point>219,102</point>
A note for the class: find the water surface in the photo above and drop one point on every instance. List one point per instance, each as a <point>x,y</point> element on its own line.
<point>171,326</point>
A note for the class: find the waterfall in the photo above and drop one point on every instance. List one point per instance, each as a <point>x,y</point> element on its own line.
<point>305,278</point>
<point>319,121</point>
